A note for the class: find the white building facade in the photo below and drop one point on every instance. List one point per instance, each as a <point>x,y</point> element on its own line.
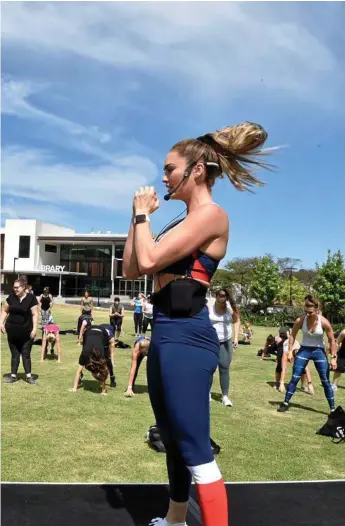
<point>67,262</point>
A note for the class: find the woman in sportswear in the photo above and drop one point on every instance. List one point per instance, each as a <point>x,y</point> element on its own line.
<point>148,314</point>
<point>46,303</point>
<point>116,316</point>
<point>96,356</point>
<point>223,313</point>
<point>138,303</point>
<point>139,352</point>
<point>313,326</point>
<point>184,349</point>
<point>51,334</point>
<point>19,319</point>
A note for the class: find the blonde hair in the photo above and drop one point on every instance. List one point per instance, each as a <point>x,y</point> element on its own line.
<point>236,149</point>
<point>51,337</point>
<point>144,345</point>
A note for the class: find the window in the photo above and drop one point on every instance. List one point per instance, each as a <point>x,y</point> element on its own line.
<point>51,248</point>
<point>24,247</point>
<point>119,251</point>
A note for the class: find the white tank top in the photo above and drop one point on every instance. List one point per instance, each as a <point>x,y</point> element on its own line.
<point>312,339</point>
<point>222,323</point>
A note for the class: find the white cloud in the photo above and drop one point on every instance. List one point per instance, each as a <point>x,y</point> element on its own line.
<point>11,210</point>
<point>218,48</point>
<point>15,95</point>
<point>35,174</point>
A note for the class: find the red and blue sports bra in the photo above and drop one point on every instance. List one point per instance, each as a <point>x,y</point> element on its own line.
<point>197,266</point>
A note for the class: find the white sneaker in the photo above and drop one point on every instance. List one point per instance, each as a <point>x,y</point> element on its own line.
<point>334,387</point>
<point>226,401</point>
<point>158,521</point>
<point>210,397</point>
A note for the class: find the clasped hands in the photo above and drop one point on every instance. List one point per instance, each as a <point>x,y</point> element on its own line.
<point>145,201</point>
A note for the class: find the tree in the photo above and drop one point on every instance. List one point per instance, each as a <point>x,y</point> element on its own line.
<point>266,282</point>
<point>221,279</point>
<point>307,277</point>
<point>288,263</point>
<point>298,292</point>
<point>242,272</point>
<point>330,285</point>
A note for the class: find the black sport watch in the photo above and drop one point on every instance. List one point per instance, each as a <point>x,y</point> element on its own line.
<point>141,218</point>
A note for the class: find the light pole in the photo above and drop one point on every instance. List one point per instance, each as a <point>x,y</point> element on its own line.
<point>290,269</point>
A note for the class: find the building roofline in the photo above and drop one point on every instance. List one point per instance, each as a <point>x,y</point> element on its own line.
<point>85,237</point>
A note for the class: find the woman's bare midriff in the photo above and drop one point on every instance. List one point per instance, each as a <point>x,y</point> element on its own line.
<point>163,280</point>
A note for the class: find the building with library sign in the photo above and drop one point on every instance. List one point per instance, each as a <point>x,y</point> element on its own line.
<point>67,262</point>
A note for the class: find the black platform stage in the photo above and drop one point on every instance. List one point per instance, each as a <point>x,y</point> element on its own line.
<point>297,504</point>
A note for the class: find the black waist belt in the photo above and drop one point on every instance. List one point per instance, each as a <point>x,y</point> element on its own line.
<point>181,298</point>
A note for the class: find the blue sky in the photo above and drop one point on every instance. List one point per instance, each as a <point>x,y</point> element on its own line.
<point>94,94</point>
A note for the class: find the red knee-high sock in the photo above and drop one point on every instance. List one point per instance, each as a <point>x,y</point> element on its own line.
<point>213,502</point>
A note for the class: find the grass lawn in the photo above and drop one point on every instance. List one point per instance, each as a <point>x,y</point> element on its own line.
<point>51,434</point>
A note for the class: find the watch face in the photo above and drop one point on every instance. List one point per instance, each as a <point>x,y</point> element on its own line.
<point>140,218</point>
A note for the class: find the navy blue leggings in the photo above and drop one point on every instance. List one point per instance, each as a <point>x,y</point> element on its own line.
<point>304,355</point>
<point>183,356</point>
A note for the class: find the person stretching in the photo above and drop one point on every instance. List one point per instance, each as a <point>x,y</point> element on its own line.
<point>51,334</point>
<point>139,352</point>
<point>313,326</point>
<point>96,356</point>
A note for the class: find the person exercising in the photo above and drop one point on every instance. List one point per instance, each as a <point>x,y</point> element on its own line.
<point>96,356</point>
<point>140,350</point>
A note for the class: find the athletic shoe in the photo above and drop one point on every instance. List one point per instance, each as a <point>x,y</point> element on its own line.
<point>226,401</point>
<point>210,398</point>
<point>162,522</point>
<point>11,379</point>
<point>282,408</point>
<point>30,380</point>
<point>112,381</point>
<point>334,387</point>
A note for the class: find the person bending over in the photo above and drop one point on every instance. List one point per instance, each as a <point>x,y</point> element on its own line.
<point>140,350</point>
<point>96,357</point>
<point>51,335</point>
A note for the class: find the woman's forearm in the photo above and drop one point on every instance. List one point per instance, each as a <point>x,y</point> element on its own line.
<point>132,373</point>
<point>284,365</point>
<point>144,245</point>
<point>35,321</point>
<point>237,329</point>
<point>4,315</point>
<point>130,267</point>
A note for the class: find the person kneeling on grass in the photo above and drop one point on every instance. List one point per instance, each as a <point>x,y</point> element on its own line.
<point>140,350</point>
<point>51,334</point>
<point>96,356</point>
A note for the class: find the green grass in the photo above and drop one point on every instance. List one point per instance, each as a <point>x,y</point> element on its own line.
<point>50,434</point>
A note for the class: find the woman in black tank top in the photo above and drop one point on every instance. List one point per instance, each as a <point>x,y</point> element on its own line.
<point>45,302</point>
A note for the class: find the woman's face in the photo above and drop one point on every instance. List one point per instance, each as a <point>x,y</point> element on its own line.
<point>86,294</point>
<point>221,297</point>
<point>310,311</point>
<point>18,289</point>
<point>174,170</point>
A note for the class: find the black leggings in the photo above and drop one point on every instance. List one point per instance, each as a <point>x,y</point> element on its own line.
<point>138,322</point>
<point>146,323</point>
<point>110,367</point>
<point>20,347</point>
